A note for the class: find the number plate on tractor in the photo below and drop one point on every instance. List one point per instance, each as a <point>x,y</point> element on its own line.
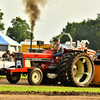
<point>18,63</point>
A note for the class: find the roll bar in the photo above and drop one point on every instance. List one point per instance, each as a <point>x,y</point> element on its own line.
<point>68,34</point>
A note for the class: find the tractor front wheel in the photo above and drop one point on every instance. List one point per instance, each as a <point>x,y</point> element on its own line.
<point>35,76</point>
<point>13,78</point>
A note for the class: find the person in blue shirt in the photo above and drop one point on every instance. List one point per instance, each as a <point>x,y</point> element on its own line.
<point>58,50</point>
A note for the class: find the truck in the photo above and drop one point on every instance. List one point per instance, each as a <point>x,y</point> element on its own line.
<point>75,67</point>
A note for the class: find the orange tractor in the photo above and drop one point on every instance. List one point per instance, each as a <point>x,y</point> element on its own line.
<point>75,67</point>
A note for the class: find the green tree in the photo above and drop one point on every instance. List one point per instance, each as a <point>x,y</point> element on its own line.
<point>86,30</point>
<point>56,37</point>
<point>1,23</point>
<point>19,31</point>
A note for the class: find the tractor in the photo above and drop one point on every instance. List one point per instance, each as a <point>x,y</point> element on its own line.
<point>75,67</point>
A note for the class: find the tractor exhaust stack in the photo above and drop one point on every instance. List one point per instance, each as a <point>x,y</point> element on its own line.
<point>31,42</point>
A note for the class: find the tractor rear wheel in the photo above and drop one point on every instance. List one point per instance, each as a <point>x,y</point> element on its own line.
<point>35,76</point>
<point>13,78</point>
<point>63,67</point>
<point>79,70</point>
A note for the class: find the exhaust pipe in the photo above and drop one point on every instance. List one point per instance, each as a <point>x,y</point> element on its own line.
<point>31,42</point>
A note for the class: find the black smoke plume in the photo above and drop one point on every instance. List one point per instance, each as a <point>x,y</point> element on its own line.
<point>32,8</point>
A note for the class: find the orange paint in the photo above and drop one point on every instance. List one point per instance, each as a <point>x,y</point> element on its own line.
<point>96,79</point>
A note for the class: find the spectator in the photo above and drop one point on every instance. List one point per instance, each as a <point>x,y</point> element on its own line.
<point>4,55</point>
<point>12,55</point>
<point>8,53</point>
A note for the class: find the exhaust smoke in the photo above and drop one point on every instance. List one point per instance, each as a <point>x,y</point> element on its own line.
<point>33,10</point>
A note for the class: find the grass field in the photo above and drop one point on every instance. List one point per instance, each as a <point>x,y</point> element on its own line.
<point>22,77</point>
<point>2,76</point>
<point>47,88</point>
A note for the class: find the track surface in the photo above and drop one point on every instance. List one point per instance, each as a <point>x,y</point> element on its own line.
<point>22,82</point>
<point>43,96</point>
<point>38,97</point>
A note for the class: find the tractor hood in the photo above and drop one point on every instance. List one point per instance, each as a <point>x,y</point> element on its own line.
<point>37,55</point>
<point>46,54</point>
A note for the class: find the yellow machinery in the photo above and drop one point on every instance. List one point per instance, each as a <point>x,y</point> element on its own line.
<point>96,78</point>
<point>25,46</point>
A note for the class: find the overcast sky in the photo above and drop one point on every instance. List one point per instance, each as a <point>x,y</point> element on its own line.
<point>54,16</point>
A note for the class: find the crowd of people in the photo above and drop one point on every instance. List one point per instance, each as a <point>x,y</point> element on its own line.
<point>7,55</point>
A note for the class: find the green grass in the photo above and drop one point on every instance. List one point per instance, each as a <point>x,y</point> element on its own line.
<point>2,76</point>
<point>22,77</point>
<point>47,89</point>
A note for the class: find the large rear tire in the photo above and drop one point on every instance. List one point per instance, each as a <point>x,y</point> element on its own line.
<point>35,76</point>
<point>63,67</point>
<point>13,78</point>
<point>79,70</point>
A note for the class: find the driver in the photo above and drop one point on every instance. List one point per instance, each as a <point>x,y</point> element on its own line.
<point>58,50</point>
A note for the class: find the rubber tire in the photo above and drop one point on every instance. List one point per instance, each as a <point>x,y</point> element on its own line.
<point>48,81</point>
<point>10,79</point>
<point>63,67</point>
<point>70,70</point>
<point>30,76</point>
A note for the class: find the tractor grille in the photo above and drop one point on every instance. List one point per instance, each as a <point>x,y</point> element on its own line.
<point>20,55</point>
<point>19,62</point>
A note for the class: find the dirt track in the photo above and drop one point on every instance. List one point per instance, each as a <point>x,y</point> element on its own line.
<point>38,97</point>
<point>22,82</point>
<point>43,95</point>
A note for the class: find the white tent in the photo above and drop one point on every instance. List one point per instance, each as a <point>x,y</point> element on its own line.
<point>6,43</point>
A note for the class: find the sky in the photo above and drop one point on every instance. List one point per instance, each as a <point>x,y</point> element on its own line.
<point>54,16</point>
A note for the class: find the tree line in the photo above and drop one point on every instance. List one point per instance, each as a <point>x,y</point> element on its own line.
<point>19,31</point>
<point>86,30</point>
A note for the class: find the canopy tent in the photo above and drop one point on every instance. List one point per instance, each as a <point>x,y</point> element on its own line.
<point>3,41</point>
<point>6,43</point>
